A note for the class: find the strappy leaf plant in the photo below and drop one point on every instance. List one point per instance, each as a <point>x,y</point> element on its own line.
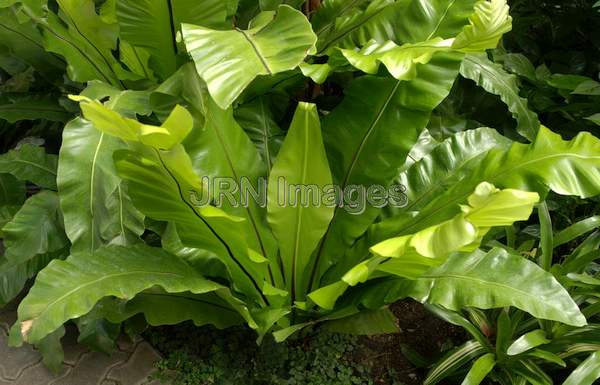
<point>280,96</point>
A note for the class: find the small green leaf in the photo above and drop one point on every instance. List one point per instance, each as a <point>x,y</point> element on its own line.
<point>368,322</point>
<point>51,350</point>
<point>547,356</point>
<point>12,191</point>
<point>566,82</point>
<point>576,230</point>
<point>480,369</point>
<point>317,72</point>
<point>546,237</point>
<point>35,229</point>
<point>492,77</point>
<point>31,163</point>
<point>520,65</point>
<point>453,361</point>
<point>588,87</point>
<point>594,118</point>
<point>587,372</point>
<point>527,342</point>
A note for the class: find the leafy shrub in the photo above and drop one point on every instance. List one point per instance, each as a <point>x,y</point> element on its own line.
<point>508,344</point>
<point>174,93</point>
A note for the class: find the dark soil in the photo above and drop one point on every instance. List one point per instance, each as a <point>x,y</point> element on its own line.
<point>401,358</point>
<point>422,337</point>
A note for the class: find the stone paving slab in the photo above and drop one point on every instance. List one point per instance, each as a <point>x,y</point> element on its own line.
<point>131,364</point>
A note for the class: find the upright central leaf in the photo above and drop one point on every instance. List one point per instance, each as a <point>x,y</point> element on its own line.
<point>229,60</point>
<point>295,208</point>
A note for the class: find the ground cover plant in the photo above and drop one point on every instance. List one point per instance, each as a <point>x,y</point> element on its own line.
<point>120,115</point>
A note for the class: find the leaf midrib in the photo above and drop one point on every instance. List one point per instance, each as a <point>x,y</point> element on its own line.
<point>256,50</point>
<point>298,225</point>
<point>36,165</point>
<point>92,189</point>
<point>441,20</point>
<point>352,29</point>
<point>97,281</point>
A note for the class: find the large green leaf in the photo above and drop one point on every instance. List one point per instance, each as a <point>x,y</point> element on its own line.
<point>164,186</point>
<point>368,137</point>
<point>493,280</point>
<point>94,204</point>
<point>153,24</point>
<point>160,193</point>
<point>528,167</point>
<point>12,191</point>
<point>162,308</point>
<point>401,61</point>
<point>24,41</point>
<point>486,26</point>
<point>348,23</point>
<point>446,163</point>
<point>31,163</point>
<point>494,79</point>
<point>259,120</point>
<point>80,35</point>
<point>412,255</point>
<point>31,108</point>
<point>356,133</point>
<point>229,60</point>
<point>221,149</point>
<point>297,212</point>
<point>69,289</point>
<point>14,277</point>
<point>36,229</point>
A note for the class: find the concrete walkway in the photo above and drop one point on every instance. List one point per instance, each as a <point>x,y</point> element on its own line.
<point>131,364</point>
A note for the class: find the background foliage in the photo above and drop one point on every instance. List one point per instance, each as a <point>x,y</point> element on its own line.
<point>111,110</point>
